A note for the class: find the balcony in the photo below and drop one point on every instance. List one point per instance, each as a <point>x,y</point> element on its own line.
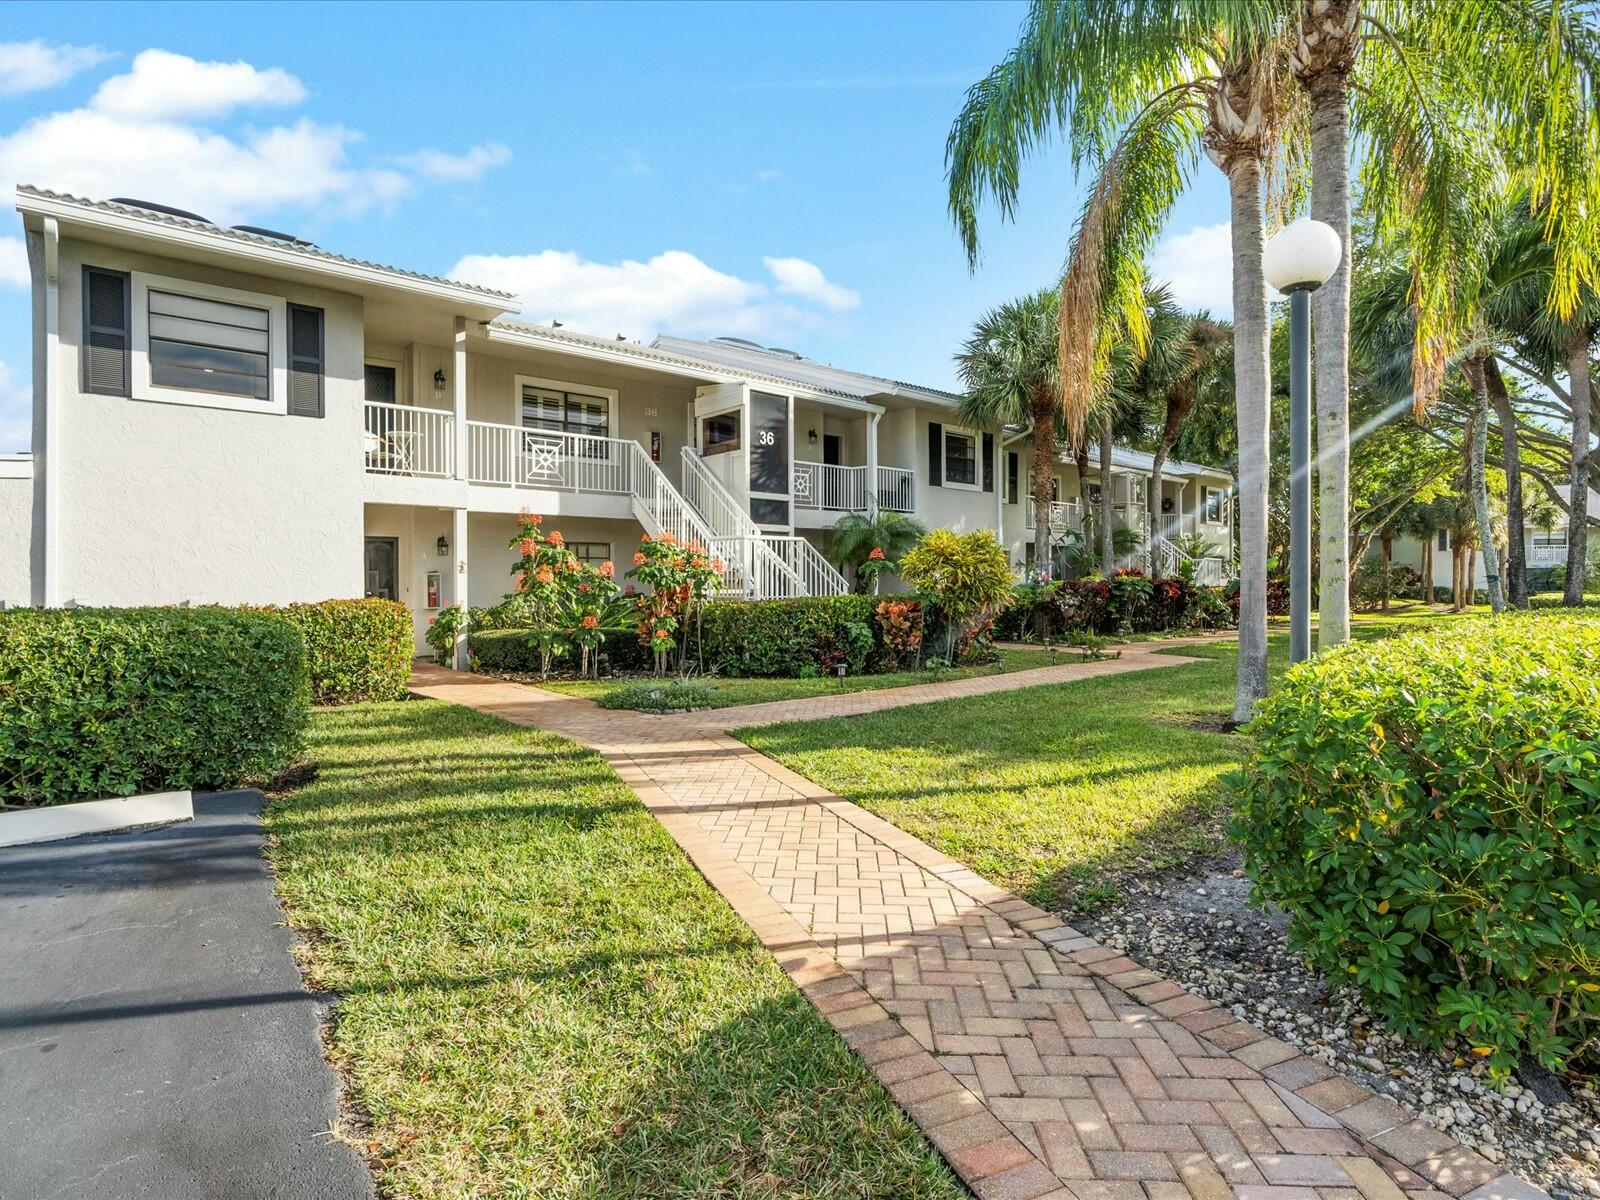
<point>1064,515</point>
<point>833,488</point>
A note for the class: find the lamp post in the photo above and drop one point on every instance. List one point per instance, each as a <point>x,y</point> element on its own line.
<point>1297,261</point>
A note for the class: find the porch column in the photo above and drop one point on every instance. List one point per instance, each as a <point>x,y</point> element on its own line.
<point>459,391</point>
<point>47,589</point>
<point>872,462</point>
<point>458,538</point>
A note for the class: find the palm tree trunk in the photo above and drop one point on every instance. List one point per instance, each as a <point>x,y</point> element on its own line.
<point>1469,579</point>
<point>1330,324</point>
<point>1108,557</point>
<point>1578,481</point>
<point>1387,545</point>
<point>1044,461</point>
<point>1480,491</point>
<point>1251,379</point>
<point>1516,572</point>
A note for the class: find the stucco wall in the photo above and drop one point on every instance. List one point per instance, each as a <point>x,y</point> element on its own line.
<point>169,502</point>
<point>16,539</point>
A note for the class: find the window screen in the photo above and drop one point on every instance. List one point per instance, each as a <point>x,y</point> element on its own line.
<point>208,345</point>
<point>960,458</point>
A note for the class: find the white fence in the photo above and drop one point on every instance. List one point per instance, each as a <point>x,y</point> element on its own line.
<point>516,456</point>
<point>404,440</point>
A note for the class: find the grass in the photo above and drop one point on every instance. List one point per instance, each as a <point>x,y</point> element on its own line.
<point>1052,791</point>
<point>728,692</point>
<point>540,996</point>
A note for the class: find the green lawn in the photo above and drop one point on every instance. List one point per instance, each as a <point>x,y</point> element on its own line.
<point>727,692</point>
<point>1050,791</point>
<point>542,998</point>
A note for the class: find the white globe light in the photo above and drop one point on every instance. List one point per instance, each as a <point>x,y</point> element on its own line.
<point>1302,255</point>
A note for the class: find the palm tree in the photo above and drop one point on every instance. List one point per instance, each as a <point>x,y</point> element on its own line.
<point>1011,372</point>
<point>854,537</point>
<point>1141,90</point>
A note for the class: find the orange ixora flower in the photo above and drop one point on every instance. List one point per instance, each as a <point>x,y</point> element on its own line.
<point>877,554</point>
<point>531,518</point>
<point>638,558</point>
<point>668,539</point>
<point>590,621</point>
<point>716,565</point>
<point>695,547</point>
<point>545,574</point>
<point>526,545</point>
<point>607,569</point>
<point>644,539</point>
<point>555,538</point>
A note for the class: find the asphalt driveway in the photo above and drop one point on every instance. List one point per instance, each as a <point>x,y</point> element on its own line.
<point>155,1039</point>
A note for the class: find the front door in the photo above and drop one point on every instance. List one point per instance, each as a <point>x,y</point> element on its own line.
<point>383,568</point>
<point>830,449</point>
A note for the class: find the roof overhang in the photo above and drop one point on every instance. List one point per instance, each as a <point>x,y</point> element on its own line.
<point>85,219</point>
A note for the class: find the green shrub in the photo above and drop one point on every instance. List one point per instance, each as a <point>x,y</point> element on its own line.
<point>357,649</point>
<point>517,651</point>
<point>786,638</point>
<point>1427,811</point>
<point>667,695</point>
<point>965,576</point>
<point>118,702</point>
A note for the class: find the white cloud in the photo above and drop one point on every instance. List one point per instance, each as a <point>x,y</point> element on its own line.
<point>769,174</point>
<point>674,290</point>
<point>163,85</point>
<point>628,164</point>
<point>16,411</point>
<point>36,65</point>
<point>797,277</point>
<point>456,168</point>
<point>98,155</point>
<point>145,134</point>
<point>14,263</point>
<point>1198,267</point>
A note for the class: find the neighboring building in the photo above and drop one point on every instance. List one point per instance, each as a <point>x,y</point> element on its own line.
<point>231,415</point>
<point>1546,548</point>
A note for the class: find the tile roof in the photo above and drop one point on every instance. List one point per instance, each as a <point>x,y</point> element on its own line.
<point>805,370</point>
<point>206,227</point>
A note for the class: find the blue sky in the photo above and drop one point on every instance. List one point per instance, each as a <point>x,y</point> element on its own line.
<point>772,171</point>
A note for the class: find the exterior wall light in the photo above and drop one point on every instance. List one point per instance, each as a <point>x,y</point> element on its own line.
<point>438,382</point>
<point>444,546</point>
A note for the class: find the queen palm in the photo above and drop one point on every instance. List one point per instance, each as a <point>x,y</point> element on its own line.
<point>1010,371</point>
<point>1141,91</point>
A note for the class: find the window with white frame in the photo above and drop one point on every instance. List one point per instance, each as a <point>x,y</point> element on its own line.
<point>960,459</point>
<point>1545,539</point>
<point>204,344</point>
<point>1214,505</point>
<point>591,553</point>
<point>565,412</point>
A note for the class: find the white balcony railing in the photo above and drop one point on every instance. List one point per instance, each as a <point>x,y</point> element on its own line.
<point>517,456</point>
<point>1546,555</point>
<point>835,488</point>
<point>816,574</point>
<point>1064,515</point>
<point>403,440</point>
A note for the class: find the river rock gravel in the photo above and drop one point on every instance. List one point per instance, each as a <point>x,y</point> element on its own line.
<point>1197,927</point>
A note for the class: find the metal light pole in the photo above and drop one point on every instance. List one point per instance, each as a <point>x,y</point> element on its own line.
<point>1297,261</point>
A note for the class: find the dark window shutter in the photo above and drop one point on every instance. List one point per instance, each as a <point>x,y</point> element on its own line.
<point>988,462</point>
<point>107,338</point>
<point>305,361</point>
<point>1011,476</point>
<point>935,454</point>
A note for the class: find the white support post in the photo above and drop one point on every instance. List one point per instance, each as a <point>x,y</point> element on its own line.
<point>458,535</point>
<point>872,463</point>
<point>50,591</point>
<point>459,391</point>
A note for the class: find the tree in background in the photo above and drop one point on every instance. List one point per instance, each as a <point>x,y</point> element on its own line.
<point>1010,372</point>
<point>855,536</point>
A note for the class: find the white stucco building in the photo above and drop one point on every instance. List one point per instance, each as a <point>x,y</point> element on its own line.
<point>231,415</point>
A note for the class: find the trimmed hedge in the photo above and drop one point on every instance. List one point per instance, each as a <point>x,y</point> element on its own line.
<point>739,638</point>
<point>1128,602</point>
<point>789,638</point>
<point>358,649</point>
<point>1427,811</point>
<point>118,702</point>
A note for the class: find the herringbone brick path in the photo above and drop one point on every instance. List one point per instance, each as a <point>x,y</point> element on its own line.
<point>1039,1062</point>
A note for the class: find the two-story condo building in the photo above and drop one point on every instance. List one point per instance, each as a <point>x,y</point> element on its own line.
<point>234,415</point>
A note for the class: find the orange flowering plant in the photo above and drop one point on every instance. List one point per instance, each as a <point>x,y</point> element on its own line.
<point>682,579</point>
<point>566,604</point>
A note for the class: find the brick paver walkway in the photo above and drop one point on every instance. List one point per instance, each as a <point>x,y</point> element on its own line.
<point>1039,1062</point>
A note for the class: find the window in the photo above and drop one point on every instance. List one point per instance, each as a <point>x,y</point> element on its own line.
<point>1011,477</point>
<point>565,412</point>
<point>1444,539</point>
<point>1547,538</point>
<point>719,434</point>
<point>591,553</point>
<point>960,459</point>
<point>219,347</point>
<point>209,345</point>
<point>1215,502</point>
<point>105,332</point>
